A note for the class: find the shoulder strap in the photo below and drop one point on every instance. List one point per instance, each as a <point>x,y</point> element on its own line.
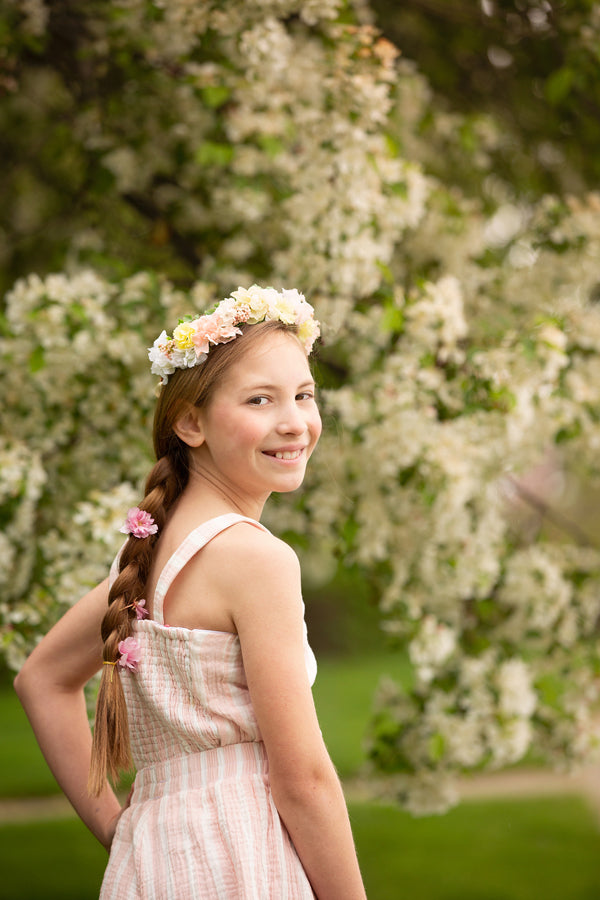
<point>194,542</point>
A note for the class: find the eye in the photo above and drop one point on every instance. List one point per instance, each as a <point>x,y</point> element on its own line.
<point>305,395</point>
<point>258,401</point>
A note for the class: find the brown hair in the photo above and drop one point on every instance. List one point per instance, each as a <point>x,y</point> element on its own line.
<point>111,752</point>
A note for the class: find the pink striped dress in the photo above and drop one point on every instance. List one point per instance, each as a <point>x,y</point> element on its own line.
<point>202,823</point>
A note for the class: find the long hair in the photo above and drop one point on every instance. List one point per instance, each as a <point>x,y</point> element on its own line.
<point>185,388</point>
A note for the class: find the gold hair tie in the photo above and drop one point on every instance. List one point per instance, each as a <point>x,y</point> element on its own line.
<point>107,662</point>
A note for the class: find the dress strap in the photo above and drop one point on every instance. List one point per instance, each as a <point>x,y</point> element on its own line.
<point>195,541</point>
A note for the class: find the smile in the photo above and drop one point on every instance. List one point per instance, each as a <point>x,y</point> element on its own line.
<point>285,454</point>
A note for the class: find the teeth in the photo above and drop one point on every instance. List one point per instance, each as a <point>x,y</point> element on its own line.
<point>288,454</point>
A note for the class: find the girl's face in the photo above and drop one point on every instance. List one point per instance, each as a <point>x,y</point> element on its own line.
<point>262,422</point>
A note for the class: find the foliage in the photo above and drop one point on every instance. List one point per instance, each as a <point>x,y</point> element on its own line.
<point>279,141</point>
<point>531,65</point>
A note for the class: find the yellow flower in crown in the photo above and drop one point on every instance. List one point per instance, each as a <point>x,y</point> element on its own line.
<point>183,334</point>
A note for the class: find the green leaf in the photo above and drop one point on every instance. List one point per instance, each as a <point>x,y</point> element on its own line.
<point>212,154</point>
<point>551,689</point>
<point>271,145</point>
<point>558,85</point>
<point>349,531</point>
<point>215,95</point>
<point>392,319</point>
<point>437,746</point>
<point>388,275</point>
<point>392,144</point>
<point>399,189</point>
<point>568,432</point>
<point>37,360</point>
<point>467,137</point>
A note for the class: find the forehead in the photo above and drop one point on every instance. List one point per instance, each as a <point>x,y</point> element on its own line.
<point>278,357</point>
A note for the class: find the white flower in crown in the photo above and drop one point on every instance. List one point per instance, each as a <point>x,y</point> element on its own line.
<point>284,310</point>
<point>159,356</point>
<point>192,338</point>
<point>308,332</point>
<point>256,299</point>
<point>295,299</point>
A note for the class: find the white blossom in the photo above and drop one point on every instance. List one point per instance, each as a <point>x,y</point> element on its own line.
<point>517,697</point>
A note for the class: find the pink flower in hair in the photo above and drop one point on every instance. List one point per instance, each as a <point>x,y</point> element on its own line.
<point>140,609</point>
<point>139,523</point>
<point>130,654</point>
<point>225,330</point>
<point>201,336</point>
<point>213,329</point>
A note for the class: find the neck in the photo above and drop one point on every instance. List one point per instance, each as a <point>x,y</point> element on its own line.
<point>207,497</point>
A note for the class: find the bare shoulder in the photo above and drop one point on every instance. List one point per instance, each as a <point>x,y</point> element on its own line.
<point>245,556</point>
<point>242,571</point>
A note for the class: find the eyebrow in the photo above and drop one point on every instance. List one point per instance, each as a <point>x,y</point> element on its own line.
<point>274,387</point>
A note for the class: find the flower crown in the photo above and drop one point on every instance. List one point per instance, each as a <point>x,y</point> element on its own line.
<point>192,337</point>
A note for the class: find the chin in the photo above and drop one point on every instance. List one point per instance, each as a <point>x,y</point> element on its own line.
<point>288,488</point>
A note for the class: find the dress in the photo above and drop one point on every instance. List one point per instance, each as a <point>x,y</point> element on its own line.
<point>202,824</point>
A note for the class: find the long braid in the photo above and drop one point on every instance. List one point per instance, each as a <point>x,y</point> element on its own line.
<point>111,752</point>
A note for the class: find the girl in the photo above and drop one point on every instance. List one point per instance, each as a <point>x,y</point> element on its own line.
<point>200,633</point>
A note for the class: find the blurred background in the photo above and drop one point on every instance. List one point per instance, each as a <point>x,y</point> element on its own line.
<point>426,174</point>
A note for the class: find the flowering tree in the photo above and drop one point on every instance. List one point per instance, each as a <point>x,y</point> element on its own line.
<point>229,143</point>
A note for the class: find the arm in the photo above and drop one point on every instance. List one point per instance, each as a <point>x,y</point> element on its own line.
<point>50,687</point>
<point>268,614</point>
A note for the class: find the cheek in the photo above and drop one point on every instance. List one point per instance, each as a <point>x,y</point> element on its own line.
<point>316,426</point>
<point>232,428</point>
<point>246,432</point>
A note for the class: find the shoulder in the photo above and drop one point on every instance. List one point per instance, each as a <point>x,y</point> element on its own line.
<point>257,578</point>
<point>244,554</point>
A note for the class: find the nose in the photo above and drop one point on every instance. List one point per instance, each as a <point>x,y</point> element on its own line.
<point>291,420</point>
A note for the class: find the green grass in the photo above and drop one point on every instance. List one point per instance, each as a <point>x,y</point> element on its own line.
<point>23,769</point>
<point>50,861</point>
<point>494,850</point>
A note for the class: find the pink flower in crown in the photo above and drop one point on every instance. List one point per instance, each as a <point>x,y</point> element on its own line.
<point>130,654</point>
<point>140,609</point>
<point>205,329</point>
<point>226,326</point>
<point>213,329</point>
<point>139,523</point>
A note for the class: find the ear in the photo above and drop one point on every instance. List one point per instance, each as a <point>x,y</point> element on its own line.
<point>189,427</point>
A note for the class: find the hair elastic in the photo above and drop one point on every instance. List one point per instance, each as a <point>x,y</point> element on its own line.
<point>107,662</point>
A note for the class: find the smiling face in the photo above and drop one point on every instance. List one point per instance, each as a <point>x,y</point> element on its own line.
<point>261,424</point>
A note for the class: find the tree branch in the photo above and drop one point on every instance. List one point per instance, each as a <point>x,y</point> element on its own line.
<point>552,515</point>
